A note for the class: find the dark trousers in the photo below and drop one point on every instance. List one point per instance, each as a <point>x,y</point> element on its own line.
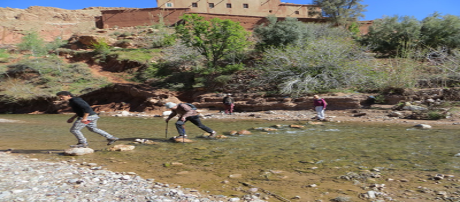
<point>195,120</point>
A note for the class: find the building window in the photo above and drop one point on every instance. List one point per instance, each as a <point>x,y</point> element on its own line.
<point>245,5</point>
<point>211,5</point>
<point>297,12</point>
<point>270,11</point>
<point>195,5</point>
<point>169,5</point>
<point>229,5</point>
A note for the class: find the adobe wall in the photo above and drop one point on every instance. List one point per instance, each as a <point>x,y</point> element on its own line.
<point>139,17</point>
<point>364,26</point>
<point>150,16</point>
<point>259,8</point>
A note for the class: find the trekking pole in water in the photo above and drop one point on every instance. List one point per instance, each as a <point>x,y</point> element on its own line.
<point>166,130</point>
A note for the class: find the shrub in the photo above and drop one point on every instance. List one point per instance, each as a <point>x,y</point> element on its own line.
<point>434,115</point>
<point>4,56</point>
<point>102,48</point>
<point>46,76</point>
<point>32,42</point>
<point>318,66</point>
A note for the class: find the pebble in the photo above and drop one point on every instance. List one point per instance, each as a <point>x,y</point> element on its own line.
<point>26,179</point>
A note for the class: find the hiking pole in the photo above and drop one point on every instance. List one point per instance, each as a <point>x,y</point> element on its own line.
<point>166,130</point>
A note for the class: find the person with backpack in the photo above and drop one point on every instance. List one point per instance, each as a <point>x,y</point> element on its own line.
<point>229,103</point>
<point>186,112</point>
<point>320,105</point>
<point>86,117</point>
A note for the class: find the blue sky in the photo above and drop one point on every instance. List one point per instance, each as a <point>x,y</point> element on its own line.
<point>376,8</point>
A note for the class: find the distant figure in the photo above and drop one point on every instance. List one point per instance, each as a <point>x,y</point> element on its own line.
<point>86,118</point>
<point>320,105</point>
<point>186,113</point>
<point>229,103</point>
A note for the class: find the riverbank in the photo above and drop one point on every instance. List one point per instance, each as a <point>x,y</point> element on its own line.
<point>29,179</point>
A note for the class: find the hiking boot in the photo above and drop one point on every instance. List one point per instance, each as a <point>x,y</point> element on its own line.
<point>111,141</point>
<point>80,145</point>
<point>213,134</point>
<point>180,136</point>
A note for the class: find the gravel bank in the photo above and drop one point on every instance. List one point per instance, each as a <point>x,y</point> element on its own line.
<point>29,179</point>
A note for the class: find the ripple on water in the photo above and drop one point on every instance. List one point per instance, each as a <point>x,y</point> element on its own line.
<point>293,151</point>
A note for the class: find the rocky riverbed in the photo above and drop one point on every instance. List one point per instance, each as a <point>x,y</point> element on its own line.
<point>29,179</point>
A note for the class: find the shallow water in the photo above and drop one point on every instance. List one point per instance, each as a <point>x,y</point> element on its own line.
<point>278,161</point>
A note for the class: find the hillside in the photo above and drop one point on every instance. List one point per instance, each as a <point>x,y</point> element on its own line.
<point>49,22</point>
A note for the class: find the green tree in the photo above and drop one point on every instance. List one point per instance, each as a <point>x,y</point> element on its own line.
<point>32,42</point>
<point>213,39</point>
<point>394,36</point>
<point>342,12</point>
<point>278,33</point>
<point>441,31</point>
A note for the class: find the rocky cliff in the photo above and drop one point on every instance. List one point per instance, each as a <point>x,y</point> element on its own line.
<point>49,22</point>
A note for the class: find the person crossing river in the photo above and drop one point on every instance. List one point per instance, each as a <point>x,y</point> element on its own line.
<point>186,113</point>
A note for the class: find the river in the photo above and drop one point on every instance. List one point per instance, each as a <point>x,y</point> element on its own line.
<point>286,162</point>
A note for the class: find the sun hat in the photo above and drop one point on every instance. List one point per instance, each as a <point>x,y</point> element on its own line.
<point>170,105</point>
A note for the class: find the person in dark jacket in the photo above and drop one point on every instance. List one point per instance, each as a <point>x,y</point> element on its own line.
<point>186,113</point>
<point>229,103</point>
<point>86,117</point>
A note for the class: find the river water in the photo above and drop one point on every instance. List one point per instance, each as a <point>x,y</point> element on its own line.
<point>283,161</point>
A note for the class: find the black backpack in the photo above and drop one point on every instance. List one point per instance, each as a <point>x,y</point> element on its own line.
<point>191,106</point>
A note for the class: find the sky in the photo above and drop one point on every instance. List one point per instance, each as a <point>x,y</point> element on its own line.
<point>375,9</point>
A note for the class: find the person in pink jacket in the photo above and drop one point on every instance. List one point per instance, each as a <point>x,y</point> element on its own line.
<point>320,105</point>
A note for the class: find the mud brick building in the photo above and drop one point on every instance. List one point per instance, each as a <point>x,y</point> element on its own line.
<point>249,13</point>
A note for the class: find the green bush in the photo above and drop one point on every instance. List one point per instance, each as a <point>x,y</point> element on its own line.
<point>32,42</point>
<point>46,76</point>
<point>321,65</point>
<point>102,48</point>
<point>434,115</point>
<point>4,56</point>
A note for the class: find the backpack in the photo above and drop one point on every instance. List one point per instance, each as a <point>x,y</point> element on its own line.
<point>228,100</point>
<point>191,106</point>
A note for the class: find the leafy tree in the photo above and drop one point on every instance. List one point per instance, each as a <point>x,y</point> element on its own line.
<point>441,31</point>
<point>278,33</point>
<point>342,12</point>
<point>213,39</point>
<point>32,42</point>
<point>394,35</point>
<point>320,65</point>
